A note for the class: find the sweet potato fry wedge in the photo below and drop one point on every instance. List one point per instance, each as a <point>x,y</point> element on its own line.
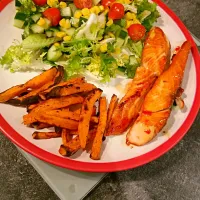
<point>111,108</point>
<point>70,89</point>
<point>86,113</point>
<point>39,125</point>
<point>57,121</point>
<point>94,119</point>
<point>96,147</point>
<point>45,135</point>
<point>66,136</point>
<point>34,83</point>
<point>73,145</point>
<point>78,80</point>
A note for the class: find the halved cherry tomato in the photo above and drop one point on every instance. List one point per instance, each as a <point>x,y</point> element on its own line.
<point>107,3</point>
<point>136,32</point>
<point>116,11</point>
<point>53,14</point>
<point>83,3</point>
<point>40,2</point>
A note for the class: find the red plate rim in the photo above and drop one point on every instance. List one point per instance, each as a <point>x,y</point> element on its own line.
<point>121,165</point>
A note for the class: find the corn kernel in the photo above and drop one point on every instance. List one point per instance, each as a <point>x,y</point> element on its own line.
<point>101,8</point>
<point>106,11</point>
<point>128,23</point>
<point>56,44</point>
<point>85,12</point>
<point>52,3</point>
<point>111,34</point>
<point>96,10</point>
<point>110,22</point>
<point>67,24</point>
<point>117,50</point>
<point>77,14</point>
<point>92,10</point>
<point>41,22</point>
<point>127,1</point>
<point>128,16</point>
<point>103,47</point>
<point>133,16</point>
<point>60,34</point>
<point>33,9</point>
<point>62,22</point>
<point>67,38</point>
<point>136,21</point>
<point>63,4</point>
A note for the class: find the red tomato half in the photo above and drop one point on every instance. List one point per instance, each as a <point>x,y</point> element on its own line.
<point>40,2</point>
<point>107,3</point>
<point>83,3</point>
<point>53,14</point>
<point>136,31</point>
<point>116,11</point>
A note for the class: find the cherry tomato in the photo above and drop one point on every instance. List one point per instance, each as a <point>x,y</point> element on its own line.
<point>40,2</point>
<point>136,31</point>
<point>107,3</point>
<point>116,11</point>
<point>83,3</point>
<point>53,14</point>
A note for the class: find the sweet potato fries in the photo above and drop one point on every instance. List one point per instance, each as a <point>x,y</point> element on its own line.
<point>67,106</point>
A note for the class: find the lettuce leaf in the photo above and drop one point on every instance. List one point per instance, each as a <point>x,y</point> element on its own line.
<point>26,6</point>
<point>16,59</point>
<point>143,6</point>
<point>38,41</point>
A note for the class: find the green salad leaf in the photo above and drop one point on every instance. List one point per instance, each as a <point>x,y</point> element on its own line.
<point>147,13</point>
<point>26,6</point>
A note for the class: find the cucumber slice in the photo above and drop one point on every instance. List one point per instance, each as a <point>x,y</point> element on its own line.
<point>17,4</point>
<point>69,31</point>
<point>119,42</point>
<point>20,16</point>
<point>18,23</point>
<point>54,30</point>
<point>82,20</point>
<point>36,17</point>
<point>27,32</point>
<point>53,54</point>
<point>49,33</point>
<point>66,12</point>
<point>37,29</point>
<point>133,60</point>
<point>47,24</point>
<point>73,8</point>
<point>120,22</point>
<point>123,34</point>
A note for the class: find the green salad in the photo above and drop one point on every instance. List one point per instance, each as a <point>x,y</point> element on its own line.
<point>102,37</point>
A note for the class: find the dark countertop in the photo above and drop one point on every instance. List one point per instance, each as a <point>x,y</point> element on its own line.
<point>174,176</point>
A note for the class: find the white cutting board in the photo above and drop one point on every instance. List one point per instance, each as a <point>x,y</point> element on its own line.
<point>67,184</point>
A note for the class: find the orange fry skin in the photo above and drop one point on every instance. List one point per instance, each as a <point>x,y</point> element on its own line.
<point>96,147</point>
<point>45,135</point>
<point>86,113</point>
<point>157,104</point>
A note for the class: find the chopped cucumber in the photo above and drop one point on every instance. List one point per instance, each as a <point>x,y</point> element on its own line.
<point>82,20</point>
<point>36,17</point>
<point>20,16</point>
<point>123,34</point>
<point>37,29</point>
<point>73,8</point>
<point>119,42</point>
<point>17,4</point>
<point>74,22</point>
<point>133,60</point>
<point>53,54</point>
<point>120,22</point>
<point>66,12</point>
<point>47,24</point>
<point>54,30</point>
<point>18,23</point>
<point>69,31</point>
<point>49,33</point>
<point>27,32</point>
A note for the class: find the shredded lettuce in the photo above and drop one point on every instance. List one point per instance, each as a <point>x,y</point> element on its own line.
<point>38,41</point>
<point>26,6</point>
<point>16,59</point>
<point>147,13</point>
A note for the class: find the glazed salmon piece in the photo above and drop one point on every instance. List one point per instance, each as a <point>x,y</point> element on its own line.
<point>155,59</point>
<point>158,102</point>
